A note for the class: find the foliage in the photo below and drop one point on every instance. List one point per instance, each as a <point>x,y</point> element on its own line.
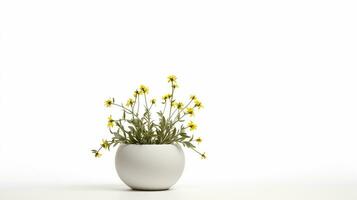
<point>138,126</point>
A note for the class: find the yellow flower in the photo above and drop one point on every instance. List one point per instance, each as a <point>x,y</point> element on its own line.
<point>153,101</point>
<point>110,122</point>
<point>190,111</point>
<point>179,105</point>
<point>144,89</point>
<point>97,154</point>
<point>193,97</point>
<point>171,78</point>
<point>199,140</point>
<point>192,126</point>
<point>204,156</point>
<point>198,104</point>
<point>130,102</point>
<point>137,92</point>
<point>105,144</point>
<point>109,102</point>
<point>174,85</point>
<point>166,97</point>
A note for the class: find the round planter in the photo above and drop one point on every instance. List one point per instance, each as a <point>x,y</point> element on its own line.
<point>149,167</point>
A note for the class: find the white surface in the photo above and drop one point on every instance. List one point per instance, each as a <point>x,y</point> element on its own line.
<point>277,78</point>
<point>272,191</point>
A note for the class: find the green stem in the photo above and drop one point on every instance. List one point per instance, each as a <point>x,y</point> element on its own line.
<point>173,113</point>
<point>146,103</point>
<point>164,108</point>
<point>184,107</point>
<point>129,111</point>
<point>171,98</point>
<point>132,107</point>
<point>148,114</point>
<point>121,127</point>
<point>138,105</point>
<point>196,151</point>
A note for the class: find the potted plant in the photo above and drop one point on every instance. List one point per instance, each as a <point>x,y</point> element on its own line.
<point>150,156</point>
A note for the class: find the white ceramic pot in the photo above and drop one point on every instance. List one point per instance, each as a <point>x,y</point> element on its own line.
<point>149,167</point>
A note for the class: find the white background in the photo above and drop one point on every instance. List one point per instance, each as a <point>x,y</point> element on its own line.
<point>277,78</point>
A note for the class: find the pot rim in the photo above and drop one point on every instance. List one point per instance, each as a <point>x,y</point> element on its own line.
<point>174,144</point>
<point>151,145</point>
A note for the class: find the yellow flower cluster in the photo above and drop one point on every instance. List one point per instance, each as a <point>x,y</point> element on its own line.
<point>192,126</point>
<point>190,111</point>
<point>109,102</point>
<point>175,111</point>
<point>153,101</point>
<point>199,140</point>
<point>97,154</point>
<point>198,104</point>
<point>105,144</point>
<point>166,97</point>
<point>178,105</point>
<point>204,155</point>
<point>137,93</point>
<point>144,89</point>
<point>110,122</point>
<point>130,102</point>
<point>171,79</point>
<point>193,97</point>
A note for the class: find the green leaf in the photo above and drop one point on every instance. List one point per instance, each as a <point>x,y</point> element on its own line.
<point>189,144</point>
